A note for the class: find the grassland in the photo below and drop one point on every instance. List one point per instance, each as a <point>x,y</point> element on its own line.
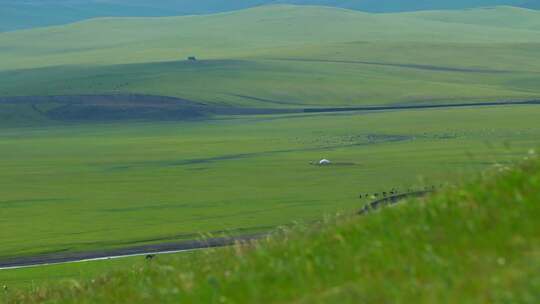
<point>72,185</point>
<point>17,14</point>
<point>81,187</point>
<point>33,277</point>
<point>467,244</point>
<point>284,56</point>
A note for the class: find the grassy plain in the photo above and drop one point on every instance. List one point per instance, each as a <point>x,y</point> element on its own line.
<point>476,243</point>
<point>81,187</point>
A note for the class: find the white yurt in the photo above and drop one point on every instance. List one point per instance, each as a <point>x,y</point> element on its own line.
<point>324,162</point>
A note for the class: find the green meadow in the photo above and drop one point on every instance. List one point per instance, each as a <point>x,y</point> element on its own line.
<point>75,183</point>
<point>81,187</point>
<point>31,278</point>
<point>471,243</point>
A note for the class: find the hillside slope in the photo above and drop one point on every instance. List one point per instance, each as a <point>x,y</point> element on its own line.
<point>248,32</point>
<point>316,56</point>
<point>16,14</point>
<point>473,244</point>
<point>505,17</point>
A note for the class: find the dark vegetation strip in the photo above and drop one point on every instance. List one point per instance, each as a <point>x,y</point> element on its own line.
<point>100,99</point>
<point>117,107</point>
<point>400,65</point>
<point>126,107</point>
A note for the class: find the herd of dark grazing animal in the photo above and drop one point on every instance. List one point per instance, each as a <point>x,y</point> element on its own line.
<point>395,192</point>
<point>392,197</point>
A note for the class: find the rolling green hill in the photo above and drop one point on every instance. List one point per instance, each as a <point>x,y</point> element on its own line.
<point>506,17</point>
<point>16,14</point>
<point>317,56</point>
<point>256,30</point>
<point>472,244</point>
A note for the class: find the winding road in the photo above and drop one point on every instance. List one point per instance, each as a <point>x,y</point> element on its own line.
<point>423,106</point>
<point>166,248</point>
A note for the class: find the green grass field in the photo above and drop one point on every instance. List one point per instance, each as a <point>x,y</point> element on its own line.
<point>83,187</point>
<point>468,244</point>
<point>31,278</point>
<point>74,183</point>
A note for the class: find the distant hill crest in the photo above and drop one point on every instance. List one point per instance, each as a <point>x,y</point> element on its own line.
<point>23,14</point>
